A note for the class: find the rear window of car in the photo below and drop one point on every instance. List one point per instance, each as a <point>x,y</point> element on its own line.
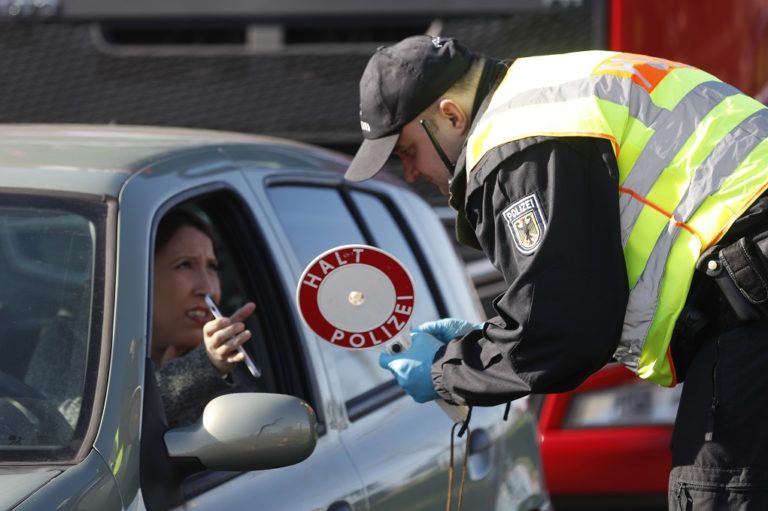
<point>49,323</point>
<point>317,219</point>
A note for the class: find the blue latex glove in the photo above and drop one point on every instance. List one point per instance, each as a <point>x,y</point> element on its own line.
<point>448,328</point>
<point>413,368</point>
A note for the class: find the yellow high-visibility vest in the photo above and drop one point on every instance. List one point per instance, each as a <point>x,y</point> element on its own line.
<point>692,156</point>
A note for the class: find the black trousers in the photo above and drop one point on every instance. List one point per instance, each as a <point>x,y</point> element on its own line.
<point>720,440</point>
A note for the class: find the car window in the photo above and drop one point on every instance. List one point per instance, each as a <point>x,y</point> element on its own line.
<point>49,256</point>
<point>389,235</point>
<point>317,219</point>
<point>246,273</point>
<point>186,379</point>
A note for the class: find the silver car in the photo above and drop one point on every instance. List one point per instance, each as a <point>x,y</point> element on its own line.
<point>81,422</point>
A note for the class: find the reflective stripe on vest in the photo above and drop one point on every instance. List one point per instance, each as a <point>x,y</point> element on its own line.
<point>667,122</point>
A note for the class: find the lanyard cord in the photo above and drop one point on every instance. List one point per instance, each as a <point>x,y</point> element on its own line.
<point>464,427</point>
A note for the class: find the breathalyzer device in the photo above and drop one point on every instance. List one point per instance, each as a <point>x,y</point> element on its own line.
<point>248,361</point>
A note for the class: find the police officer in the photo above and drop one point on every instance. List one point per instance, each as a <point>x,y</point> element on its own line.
<point>621,197</point>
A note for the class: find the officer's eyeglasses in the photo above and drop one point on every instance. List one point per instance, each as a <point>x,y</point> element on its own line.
<point>448,164</point>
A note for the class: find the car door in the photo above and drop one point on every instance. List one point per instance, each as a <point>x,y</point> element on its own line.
<point>250,271</point>
<point>208,183</point>
<point>401,449</point>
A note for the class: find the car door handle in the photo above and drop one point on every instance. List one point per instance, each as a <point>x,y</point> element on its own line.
<point>479,462</point>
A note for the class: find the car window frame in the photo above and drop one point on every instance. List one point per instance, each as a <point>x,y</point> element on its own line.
<point>296,376</point>
<point>385,393</point>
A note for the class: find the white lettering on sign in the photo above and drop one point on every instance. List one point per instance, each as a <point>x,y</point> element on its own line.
<point>374,339</point>
<point>376,336</point>
<point>312,281</point>
<point>339,260</point>
<point>397,324</point>
<point>403,309</point>
<point>337,335</point>
<point>357,340</point>
<point>397,319</point>
<point>326,267</point>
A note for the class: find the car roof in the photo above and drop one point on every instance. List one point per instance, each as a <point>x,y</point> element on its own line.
<point>100,158</point>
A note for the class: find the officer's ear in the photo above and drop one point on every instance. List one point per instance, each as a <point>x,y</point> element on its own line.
<point>453,112</point>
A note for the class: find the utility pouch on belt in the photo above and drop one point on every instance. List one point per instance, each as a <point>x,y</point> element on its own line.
<point>741,272</point>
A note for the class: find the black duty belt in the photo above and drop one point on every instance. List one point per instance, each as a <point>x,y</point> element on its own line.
<point>741,272</point>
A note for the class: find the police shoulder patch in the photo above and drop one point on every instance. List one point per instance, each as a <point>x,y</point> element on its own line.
<point>526,222</point>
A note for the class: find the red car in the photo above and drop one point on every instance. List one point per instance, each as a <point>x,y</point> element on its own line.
<point>605,445</point>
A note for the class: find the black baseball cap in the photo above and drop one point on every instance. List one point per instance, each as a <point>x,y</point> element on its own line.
<point>400,82</point>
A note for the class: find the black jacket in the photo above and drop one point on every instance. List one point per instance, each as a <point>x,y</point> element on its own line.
<point>561,317</point>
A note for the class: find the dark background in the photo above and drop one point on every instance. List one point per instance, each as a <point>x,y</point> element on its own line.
<point>293,77</point>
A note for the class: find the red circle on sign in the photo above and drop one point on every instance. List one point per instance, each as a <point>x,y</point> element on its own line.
<point>318,270</point>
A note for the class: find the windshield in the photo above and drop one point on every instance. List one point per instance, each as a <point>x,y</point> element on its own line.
<point>49,323</point>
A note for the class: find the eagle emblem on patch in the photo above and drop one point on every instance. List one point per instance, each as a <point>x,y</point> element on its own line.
<point>526,223</point>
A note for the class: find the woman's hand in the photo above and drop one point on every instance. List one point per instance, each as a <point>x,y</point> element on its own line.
<point>223,336</point>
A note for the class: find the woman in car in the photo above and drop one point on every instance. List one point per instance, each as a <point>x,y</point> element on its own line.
<point>193,354</point>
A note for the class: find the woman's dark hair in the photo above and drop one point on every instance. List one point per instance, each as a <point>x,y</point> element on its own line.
<point>175,220</point>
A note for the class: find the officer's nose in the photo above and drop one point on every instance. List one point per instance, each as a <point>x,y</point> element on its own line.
<point>410,173</point>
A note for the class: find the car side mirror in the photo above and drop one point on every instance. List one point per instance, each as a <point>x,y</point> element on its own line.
<point>247,431</point>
